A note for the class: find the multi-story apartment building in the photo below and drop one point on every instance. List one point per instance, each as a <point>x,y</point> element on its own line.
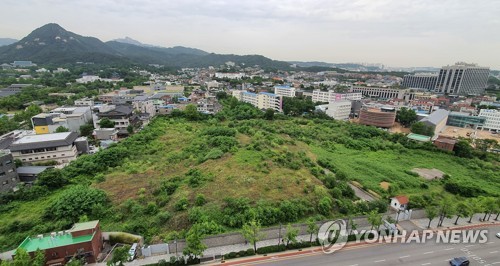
<point>8,175</point>
<point>492,119</point>
<point>420,81</point>
<point>339,110</point>
<point>144,104</point>
<point>462,79</point>
<point>331,96</point>
<point>284,91</point>
<point>58,147</point>
<point>384,93</point>
<point>263,100</point>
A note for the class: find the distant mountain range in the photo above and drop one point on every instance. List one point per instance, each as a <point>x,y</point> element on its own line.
<point>52,44</point>
<point>7,41</point>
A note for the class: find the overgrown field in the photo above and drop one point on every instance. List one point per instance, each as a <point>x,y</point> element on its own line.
<point>221,173</point>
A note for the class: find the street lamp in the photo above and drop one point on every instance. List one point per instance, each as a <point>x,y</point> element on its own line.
<point>175,242</point>
<point>279,236</point>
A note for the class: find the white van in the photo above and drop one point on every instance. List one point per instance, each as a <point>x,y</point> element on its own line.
<point>132,252</point>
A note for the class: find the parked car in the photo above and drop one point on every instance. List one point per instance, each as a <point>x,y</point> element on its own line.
<point>133,252</point>
<point>459,261</point>
<point>498,234</point>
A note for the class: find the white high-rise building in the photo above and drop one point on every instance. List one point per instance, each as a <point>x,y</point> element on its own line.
<point>285,91</point>
<point>462,79</point>
<point>492,121</point>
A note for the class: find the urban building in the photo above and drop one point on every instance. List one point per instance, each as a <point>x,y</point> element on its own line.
<point>29,174</point>
<point>59,147</point>
<point>8,174</point>
<point>462,79</point>
<point>83,241</point>
<point>84,102</point>
<point>378,117</point>
<point>492,119</point>
<point>436,119</point>
<point>263,100</point>
<point>120,114</point>
<point>221,75</point>
<point>444,143</point>
<point>384,93</point>
<point>71,118</point>
<point>143,104</point>
<point>460,119</point>
<point>284,91</point>
<point>425,81</point>
<point>331,96</point>
<point>339,110</point>
<point>23,64</point>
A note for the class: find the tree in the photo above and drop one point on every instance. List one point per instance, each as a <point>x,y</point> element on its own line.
<point>291,234</point>
<point>120,255</point>
<point>51,178</point>
<point>447,208</point>
<point>431,212</point>
<point>422,129</point>
<point>130,129</point>
<point>61,129</point>
<point>191,112</point>
<point>194,244</point>
<point>7,125</point>
<point>463,149</point>
<point>75,202</point>
<point>312,228</point>
<point>251,232</point>
<point>269,114</point>
<point>463,210</point>
<point>375,219</point>
<point>406,116</point>
<point>39,259</point>
<point>353,225</point>
<point>475,206</point>
<point>86,130</point>
<point>106,123</point>
<point>22,258</point>
<point>325,205</point>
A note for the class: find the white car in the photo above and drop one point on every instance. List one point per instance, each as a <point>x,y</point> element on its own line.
<point>498,235</point>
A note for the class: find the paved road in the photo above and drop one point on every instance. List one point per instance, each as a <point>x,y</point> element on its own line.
<point>430,253</point>
<point>361,193</point>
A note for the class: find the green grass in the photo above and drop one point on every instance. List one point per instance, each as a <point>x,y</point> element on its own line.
<point>271,162</point>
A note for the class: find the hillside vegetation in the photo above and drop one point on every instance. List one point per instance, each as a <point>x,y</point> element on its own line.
<point>221,172</point>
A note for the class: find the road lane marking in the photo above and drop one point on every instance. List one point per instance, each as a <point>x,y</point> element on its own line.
<point>354,265</point>
<point>498,262</point>
<point>490,243</point>
<point>402,257</point>
<point>425,263</point>
<point>469,246</point>
<point>429,252</point>
<point>494,252</point>
<point>449,248</point>
<point>379,261</point>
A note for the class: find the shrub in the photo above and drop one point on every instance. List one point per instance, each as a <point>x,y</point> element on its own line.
<point>200,200</point>
<point>214,153</point>
<point>250,252</point>
<point>271,249</point>
<point>181,205</point>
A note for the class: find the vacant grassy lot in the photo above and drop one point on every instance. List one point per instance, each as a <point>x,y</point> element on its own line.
<point>222,173</point>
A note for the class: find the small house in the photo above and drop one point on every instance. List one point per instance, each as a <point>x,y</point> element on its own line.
<point>399,203</point>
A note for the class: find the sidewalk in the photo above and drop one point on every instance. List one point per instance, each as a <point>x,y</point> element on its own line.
<point>450,223</point>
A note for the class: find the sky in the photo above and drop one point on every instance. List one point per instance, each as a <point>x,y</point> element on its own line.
<point>391,32</point>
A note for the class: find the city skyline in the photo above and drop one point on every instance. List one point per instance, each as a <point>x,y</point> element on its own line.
<point>390,32</point>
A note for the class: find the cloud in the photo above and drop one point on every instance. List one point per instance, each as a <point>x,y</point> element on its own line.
<point>396,32</point>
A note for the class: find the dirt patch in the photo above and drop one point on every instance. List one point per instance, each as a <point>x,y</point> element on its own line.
<point>428,174</point>
<point>384,185</point>
<point>456,132</point>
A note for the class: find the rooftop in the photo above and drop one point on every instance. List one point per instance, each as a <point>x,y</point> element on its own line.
<point>84,226</point>
<point>42,138</point>
<point>31,170</point>
<point>418,137</point>
<point>50,241</point>
<point>437,116</point>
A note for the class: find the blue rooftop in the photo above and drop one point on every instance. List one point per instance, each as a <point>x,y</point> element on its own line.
<point>269,94</point>
<point>283,87</point>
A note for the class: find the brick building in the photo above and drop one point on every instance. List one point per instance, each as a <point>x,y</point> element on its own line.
<point>83,240</point>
